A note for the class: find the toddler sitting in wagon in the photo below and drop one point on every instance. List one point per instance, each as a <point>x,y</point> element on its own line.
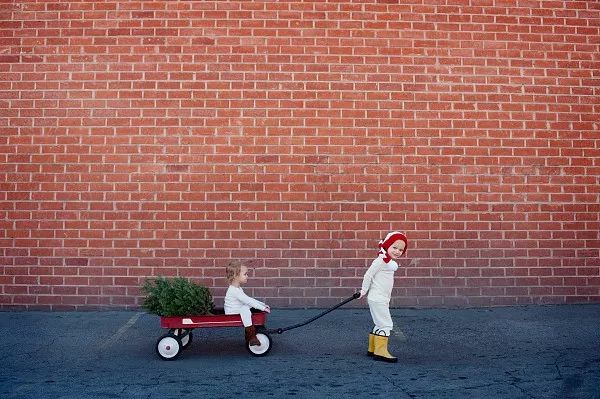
<point>237,302</point>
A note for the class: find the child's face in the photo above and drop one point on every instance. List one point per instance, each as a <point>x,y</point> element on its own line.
<point>396,250</point>
<point>242,278</point>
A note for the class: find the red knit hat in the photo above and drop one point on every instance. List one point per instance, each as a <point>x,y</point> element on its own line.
<point>387,242</point>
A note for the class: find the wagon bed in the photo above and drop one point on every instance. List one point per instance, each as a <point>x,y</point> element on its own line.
<point>208,321</point>
<point>170,345</point>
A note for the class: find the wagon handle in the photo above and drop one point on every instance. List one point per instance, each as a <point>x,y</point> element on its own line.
<point>356,295</point>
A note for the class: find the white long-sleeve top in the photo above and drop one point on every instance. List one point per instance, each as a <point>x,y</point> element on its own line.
<point>235,299</point>
<point>379,280</point>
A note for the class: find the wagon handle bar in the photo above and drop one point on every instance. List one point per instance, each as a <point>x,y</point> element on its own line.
<point>281,330</point>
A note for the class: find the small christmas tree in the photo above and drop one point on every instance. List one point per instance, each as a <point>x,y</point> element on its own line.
<point>176,297</point>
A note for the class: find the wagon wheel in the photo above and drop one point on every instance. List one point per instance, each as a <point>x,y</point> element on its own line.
<point>186,336</point>
<point>265,343</point>
<point>169,347</point>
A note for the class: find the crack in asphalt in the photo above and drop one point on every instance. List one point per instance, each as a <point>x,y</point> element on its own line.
<point>556,365</point>
<point>515,383</point>
<point>401,388</point>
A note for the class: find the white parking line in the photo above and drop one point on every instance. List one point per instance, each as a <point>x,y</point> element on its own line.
<point>121,330</point>
<point>400,334</point>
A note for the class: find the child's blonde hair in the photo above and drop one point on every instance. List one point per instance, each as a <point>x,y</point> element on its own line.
<point>233,270</point>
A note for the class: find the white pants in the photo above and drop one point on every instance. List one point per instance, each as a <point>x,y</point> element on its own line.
<point>380,312</point>
<point>246,314</point>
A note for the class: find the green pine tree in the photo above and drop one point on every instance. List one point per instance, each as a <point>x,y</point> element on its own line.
<point>176,297</point>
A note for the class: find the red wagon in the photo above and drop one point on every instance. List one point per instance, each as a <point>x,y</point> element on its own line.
<point>179,337</point>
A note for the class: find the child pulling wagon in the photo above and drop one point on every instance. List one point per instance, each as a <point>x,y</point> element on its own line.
<point>378,283</point>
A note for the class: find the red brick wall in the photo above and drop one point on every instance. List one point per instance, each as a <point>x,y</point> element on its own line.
<point>166,137</point>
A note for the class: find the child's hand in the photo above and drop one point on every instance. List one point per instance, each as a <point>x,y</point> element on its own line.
<point>362,293</point>
<point>268,309</point>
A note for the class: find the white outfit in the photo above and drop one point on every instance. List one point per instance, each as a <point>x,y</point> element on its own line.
<point>237,302</point>
<point>378,282</point>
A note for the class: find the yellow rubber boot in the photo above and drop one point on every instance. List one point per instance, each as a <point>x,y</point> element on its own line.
<point>371,344</point>
<point>381,350</point>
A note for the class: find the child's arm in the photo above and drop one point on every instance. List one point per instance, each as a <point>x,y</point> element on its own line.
<point>368,278</point>
<point>253,303</point>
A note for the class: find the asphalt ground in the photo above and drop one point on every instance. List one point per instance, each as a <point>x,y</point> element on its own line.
<point>512,352</point>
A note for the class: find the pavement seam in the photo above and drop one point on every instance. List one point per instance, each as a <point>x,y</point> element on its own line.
<point>121,331</point>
